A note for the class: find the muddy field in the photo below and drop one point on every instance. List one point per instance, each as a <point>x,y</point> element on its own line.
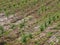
<point>30,22</point>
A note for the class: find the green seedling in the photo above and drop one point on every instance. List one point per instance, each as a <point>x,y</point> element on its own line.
<point>42,28</point>
<point>1,30</point>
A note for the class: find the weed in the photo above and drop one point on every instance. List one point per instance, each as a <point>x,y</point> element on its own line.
<point>24,38</point>
<point>52,43</point>
<point>41,28</point>
<point>30,35</point>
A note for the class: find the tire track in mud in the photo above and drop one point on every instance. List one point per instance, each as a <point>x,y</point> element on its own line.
<point>20,16</point>
<point>34,10</point>
<point>33,13</point>
<point>32,25</point>
<point>8,21</point>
